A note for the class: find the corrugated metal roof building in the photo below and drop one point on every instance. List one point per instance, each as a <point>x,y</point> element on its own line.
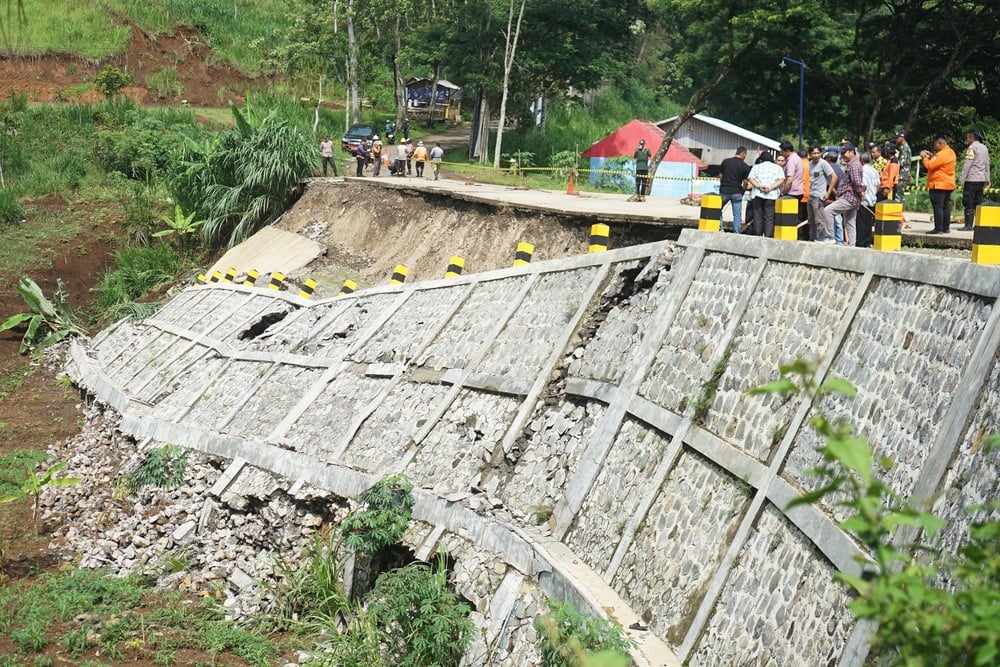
<point>714,140</point>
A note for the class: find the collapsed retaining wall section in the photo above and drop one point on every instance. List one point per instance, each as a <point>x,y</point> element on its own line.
<point>581,428</point>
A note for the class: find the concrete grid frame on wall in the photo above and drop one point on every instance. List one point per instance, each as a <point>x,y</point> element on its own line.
<point>399,378</point>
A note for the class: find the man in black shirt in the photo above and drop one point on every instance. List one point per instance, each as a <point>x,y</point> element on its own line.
<point>733,173</point>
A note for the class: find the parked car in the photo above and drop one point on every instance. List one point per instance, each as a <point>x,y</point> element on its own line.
<point>355,135</point>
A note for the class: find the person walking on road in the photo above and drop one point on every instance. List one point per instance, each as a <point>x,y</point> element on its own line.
<point>326,153</point>
<point>975,176</point>
<point>437,156</point>
<point>940,167</point>
<point>420,157</point>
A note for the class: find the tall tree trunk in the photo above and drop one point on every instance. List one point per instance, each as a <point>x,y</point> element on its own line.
<point>354,93</point>
<point>434,93</point>
<point>508,64</point>
<point>398,85</point>
<point>695,104</point>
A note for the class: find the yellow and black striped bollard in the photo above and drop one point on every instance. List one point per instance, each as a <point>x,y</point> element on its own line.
<point>888,225</point>
<point>599,238</point>
<point>399,273</point>
<point>523,253</point>
<point>277,281</point>
<point>348,287</point>
<point>251,279</point>
<point>308,288</point>
<point>710,218</point>
<point>230,275</point>
<point>455,267</point>
<point>786,218</point>
<point>986,235</point>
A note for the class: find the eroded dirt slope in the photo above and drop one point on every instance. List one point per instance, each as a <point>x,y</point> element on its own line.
<point>368,230</point>
<point>58,77</point>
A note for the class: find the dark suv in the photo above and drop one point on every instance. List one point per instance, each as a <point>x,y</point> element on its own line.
<point>355,136</point>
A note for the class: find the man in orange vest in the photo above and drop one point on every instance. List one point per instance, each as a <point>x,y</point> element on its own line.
<point>940,167</point>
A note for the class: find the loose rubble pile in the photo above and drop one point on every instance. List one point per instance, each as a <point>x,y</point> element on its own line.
<point>188,538</point>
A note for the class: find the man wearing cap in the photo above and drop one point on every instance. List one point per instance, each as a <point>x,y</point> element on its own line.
<point>850,190</point>
<point>905,156</point>
<point>940,166</point>
<point>420,157</point>
<point>641,157</point>
<point>975,176</point>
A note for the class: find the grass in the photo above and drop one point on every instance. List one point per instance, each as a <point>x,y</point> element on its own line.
<point>66,26</point>
<point>139,270</point>
<point>237,31</point>
<point>34,243</point>
<point>121,619</point>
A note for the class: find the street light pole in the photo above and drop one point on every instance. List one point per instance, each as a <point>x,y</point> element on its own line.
<point>802,89</point>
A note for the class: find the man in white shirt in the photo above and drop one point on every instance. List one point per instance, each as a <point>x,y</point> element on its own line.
<point>866,213</point>
<point>767,178</point>
<point>326,152</point>
<point>975,176</point>
<point>437,155</point>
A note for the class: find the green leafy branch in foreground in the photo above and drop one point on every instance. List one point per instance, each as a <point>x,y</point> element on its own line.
<point>919,623</point>
<point>48,322</point>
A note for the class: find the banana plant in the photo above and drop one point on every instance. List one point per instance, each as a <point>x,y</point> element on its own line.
<point>181,225</point>
<point>48,322</point>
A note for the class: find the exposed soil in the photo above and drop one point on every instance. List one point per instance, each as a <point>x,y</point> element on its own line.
<point>369,229</point>
<point>34,410</point>
<point>61,77</point>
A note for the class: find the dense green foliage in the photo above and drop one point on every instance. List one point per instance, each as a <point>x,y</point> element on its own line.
<point>138,270</point>
<point>382,516</point>
<point>569,638</point>
<point>930,609</point>
<point>426,624</point>
<point>163,467</point>
<point>111,80</point>
<point>245,177</point>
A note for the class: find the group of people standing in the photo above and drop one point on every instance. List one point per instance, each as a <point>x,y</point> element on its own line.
<point>838,189</point>
<point>373,154</point>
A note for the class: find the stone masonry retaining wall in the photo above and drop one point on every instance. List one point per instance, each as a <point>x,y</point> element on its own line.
<point>580,428</point>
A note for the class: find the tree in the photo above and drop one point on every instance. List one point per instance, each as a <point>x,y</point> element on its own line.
<point>510,51</point>
<point>728,32</point>
<point>111,80</point>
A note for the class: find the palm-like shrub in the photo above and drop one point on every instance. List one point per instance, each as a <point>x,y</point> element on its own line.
<point>244,178</point>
